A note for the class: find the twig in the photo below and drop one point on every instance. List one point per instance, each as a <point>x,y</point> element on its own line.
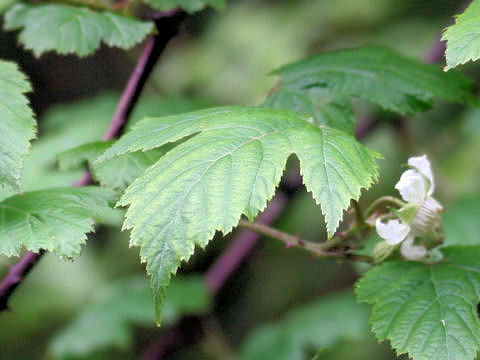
<point>167,27</point>
<point>325,249</point>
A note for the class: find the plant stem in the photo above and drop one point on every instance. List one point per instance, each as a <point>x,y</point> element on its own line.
<point>318,249</point>
<point>167,26</point>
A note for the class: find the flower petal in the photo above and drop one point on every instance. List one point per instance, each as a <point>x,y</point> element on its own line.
<point>412,252</point>
<point>412,187</point>
<point>393,231</point>
<point>422,164</point>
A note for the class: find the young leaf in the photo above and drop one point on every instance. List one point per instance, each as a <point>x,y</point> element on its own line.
<point>321,324</point>
<point>73,30</point>
<point>121,171</point>
<point>55,219</point>
<point>190,6</point>
<point>377,74</point>
<point>116,173</point>
<point>463,37</point>
<point>108,321</point>
<point>82,155</point>
<point>17,123</point>
<point>230,166</point>
<point>427,311</point>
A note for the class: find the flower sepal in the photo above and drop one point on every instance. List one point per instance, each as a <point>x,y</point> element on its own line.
<point>383,251</point>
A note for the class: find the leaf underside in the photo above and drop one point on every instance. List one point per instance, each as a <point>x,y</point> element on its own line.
<point>55,220</point>
<point>427,311</point>
<point>376,74</point>
<point>73,30</point>
<point>463,38</point>
<point>17,124</point>
<point>229,166</point>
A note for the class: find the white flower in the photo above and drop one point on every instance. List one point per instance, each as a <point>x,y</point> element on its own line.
<point>416,187</point>
<point>412,252</point>
<point>394,231</point>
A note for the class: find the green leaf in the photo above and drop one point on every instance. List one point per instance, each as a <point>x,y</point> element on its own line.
<point>55,219</point>
<point>82,155</point>
<point>17,123</point>
<point>463,37</point>
<point>230,166</point>
<point>427,311</point>
<point>73,30</point>
<point>116,173</point>
<point>190,6</point>
<point>326,109</point>
<point>121,171</point>
<point>377,74</point>
<point>109,320</point>
<point>321,324</point>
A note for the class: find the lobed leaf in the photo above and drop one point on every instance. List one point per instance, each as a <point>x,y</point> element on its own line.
<point>229,166</point>
<point>427,311</point>
<point>17,123</point>
<point>73,30</point>
<point>321,324</point>
<point>109,319</point>
<point>376,74</point>
<point>463,37</point>
<point>190,6</point>
<point>55,219</point>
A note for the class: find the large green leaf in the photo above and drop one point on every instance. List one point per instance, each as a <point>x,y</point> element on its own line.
<point>463,37</point>
<point>54,220</point>
<point>427,311</point>
<point>17,123</point>
<point>230,166</point>
<point>188,5</point>
<point>73,30</point>
<point>377,74</point>
<point>321,324</point>
<point>109,319</point>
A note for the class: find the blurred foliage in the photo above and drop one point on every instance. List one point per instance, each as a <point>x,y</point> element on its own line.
<point>319,325</point>
<point>225,57</point>
<point>108,321</point>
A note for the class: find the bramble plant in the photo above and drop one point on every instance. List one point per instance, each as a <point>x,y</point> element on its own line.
<point>177,173</point>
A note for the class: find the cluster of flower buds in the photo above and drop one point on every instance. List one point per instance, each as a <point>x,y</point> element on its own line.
<point>417,226</point>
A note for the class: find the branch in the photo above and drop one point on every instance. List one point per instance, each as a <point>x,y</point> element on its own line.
<point>324,249</point>
<point>167,25</point>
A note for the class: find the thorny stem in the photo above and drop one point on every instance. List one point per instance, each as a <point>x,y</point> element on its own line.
<point>167,25</point>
